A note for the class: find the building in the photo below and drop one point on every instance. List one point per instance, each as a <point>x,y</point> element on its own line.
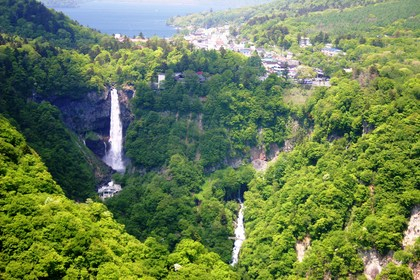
<point>304,42</point>
<point>161,78</point>
<point>109,190</point>
<point>330,51</point>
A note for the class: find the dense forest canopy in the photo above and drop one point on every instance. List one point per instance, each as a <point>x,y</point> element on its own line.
<point>342,179</point>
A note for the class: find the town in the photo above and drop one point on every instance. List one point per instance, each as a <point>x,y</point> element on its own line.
<point>283,64</point>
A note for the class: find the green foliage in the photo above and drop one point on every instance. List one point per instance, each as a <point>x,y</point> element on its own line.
<point>348,185</point>
<point>182,204</point>
<point>394,272</point>
<point>45,235</point>
<point>366,184</point>
<point>21,170</point>
<point>31,19</point>
<point>28,72</point>
<point>371,18</point>
<point>68,161</point>
<point>333,255</point>
<point>210,116</point>
<point>191,260</point>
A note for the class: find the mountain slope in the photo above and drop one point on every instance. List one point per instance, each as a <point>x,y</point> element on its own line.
<point>345,192</point>
<point>46,235</point>
<point>32,20</point>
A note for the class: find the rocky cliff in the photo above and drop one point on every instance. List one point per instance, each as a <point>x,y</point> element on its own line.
<point>89,117</point>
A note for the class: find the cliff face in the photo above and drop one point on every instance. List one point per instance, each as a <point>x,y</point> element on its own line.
<point>89,117</point>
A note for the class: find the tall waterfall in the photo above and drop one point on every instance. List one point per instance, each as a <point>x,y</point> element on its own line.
<point>239,235</point>
<point>113,157</point>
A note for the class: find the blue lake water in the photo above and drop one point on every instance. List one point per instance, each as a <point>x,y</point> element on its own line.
<point>131,18</point>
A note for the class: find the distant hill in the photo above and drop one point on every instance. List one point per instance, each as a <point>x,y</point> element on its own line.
<point>62,3</point>
<point>31,19</point>
<point>269,10</point>
<point>281,22</point>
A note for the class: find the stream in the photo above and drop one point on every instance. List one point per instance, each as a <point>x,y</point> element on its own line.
<point>239,235</point>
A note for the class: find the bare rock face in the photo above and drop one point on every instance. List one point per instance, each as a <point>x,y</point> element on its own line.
<point>259,165</point>
<point>90,113</point>
<point>301,247</point>
<point>258,158</point>
<point>288,146</point>
<point>273,152</point>
<point>89,116</point>
<point>413,229</point>
<point>98,146</point>
<point>374,263</point>
<point>415,267</point>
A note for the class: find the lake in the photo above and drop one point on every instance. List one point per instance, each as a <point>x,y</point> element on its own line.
<point>131,18</point>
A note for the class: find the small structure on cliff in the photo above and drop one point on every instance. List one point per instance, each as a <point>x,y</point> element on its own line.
<point>109,190</point>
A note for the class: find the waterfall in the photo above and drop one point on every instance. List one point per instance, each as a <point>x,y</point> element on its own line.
<point>239,235</point>
<point>113,156</point>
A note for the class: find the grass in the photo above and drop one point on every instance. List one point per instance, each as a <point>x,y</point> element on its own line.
<point>297,95</point>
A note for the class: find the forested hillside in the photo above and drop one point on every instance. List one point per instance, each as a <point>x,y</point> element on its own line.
<point>276,10</point>
<point>44,235</point>
<point>342,158</point>
<point>32,20</point>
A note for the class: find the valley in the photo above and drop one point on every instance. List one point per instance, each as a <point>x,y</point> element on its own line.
<point>273,142</point>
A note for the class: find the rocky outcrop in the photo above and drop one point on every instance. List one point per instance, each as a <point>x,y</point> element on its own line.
<point>89,117</point>
<point>373,264</point>
<point>97,146</point>
<point>413,229</point>
<point>301,247</point>
<point>92,113</point>
<point>415,267</point>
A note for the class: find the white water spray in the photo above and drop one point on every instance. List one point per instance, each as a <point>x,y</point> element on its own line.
<point>113,157</point>
<point>239,235</point>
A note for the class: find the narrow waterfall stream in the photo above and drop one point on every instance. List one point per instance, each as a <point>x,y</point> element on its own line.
<point>239,235</point>
<point>113,157</point>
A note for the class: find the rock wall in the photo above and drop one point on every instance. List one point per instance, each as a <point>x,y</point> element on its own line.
<point>413,229</point>
<point>301,247</point>
<point>374,263</point>
<point>92,113</point>
<point>90,116</point>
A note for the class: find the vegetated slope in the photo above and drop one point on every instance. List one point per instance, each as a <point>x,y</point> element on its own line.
<point>257,15</point>
<point>346,196</point>
<point>30,73</point>
<point>371,19</point>
<point>346,182</point>
<point>174,207</point>
<point>187,129</point>
<point>31,19</point>
<point>211,121</point>
<point>350,187</point>
<point>46,235</point>
<point>45,56</point>
<point>280,22</point>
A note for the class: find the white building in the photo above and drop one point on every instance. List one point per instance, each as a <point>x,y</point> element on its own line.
<point>109,190</point>
<point>161,78</point>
